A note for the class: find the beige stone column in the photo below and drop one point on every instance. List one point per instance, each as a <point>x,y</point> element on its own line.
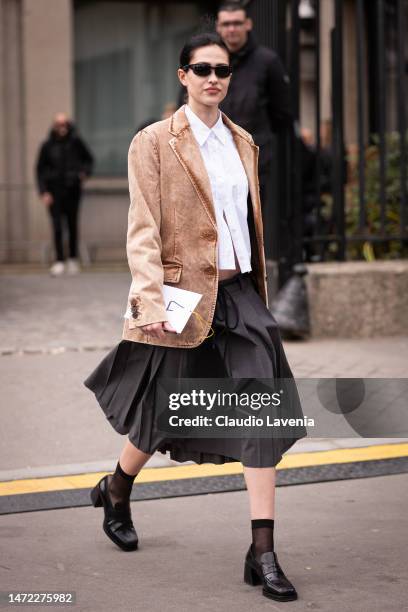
<point>350,73</point>
<point>13,217</point>
<point>349,65</point>
<point>48,88</point>
<point>308,81</point>
<point>326,25</point>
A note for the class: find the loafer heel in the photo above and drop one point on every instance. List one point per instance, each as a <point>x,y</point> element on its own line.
<point>96,497</point>
<point>250,576</point>
<point>268,572</point>
<point>117,523</point>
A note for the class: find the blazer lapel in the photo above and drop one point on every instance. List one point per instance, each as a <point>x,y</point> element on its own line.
<point>187,151</point>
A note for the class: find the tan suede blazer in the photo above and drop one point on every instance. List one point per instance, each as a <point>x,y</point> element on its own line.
<point>172,230</point>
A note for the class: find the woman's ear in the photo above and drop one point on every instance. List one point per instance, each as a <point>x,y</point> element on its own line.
<point>182,76</point>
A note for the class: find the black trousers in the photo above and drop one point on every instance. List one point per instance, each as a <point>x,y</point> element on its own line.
<point>65,209</point>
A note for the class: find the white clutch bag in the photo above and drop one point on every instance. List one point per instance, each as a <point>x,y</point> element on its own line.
<point>179,304</point>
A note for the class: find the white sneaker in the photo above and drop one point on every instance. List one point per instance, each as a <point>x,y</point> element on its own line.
<point>57,268</point>
<point>73,266</point>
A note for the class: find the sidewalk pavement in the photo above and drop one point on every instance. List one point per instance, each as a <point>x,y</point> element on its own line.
<point>341,543</point>
<point>56,330</point>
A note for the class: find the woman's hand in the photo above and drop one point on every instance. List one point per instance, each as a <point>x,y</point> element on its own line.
<point>157,330</point>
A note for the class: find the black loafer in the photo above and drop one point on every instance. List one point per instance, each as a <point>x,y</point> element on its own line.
<point>117,523</point>
<point>269,573</point>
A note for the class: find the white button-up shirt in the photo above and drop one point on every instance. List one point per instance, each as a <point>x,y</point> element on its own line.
<point>229,186</point>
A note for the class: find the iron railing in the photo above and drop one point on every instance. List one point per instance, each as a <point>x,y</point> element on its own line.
<point>381,70</point>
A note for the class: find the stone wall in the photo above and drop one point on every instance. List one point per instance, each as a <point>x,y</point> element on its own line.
<point>358,299</point>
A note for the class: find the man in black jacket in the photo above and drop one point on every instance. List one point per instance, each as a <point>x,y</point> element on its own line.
<point>64,162</point>
<point>258,98</point>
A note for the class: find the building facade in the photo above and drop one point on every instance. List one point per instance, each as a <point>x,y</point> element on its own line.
<point>111,65</point>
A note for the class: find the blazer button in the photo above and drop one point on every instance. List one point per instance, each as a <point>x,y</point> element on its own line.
<point>210,270</point>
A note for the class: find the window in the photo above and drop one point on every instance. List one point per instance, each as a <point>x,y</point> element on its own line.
<point>126,59</point>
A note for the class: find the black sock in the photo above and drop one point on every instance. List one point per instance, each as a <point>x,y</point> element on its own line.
<point>262,536</point>
<point>120,485</point>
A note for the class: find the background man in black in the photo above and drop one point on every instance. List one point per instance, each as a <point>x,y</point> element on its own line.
<point>64,162</point>
<point>258,97</point>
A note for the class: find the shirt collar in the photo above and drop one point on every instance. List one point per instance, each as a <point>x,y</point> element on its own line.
<point>201,131</point>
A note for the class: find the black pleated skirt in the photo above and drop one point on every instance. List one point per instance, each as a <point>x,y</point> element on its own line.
<point>246,344</point>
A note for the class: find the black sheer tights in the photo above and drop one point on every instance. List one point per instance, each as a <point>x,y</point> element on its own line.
<point>262,536</point>
<point>120,486</point>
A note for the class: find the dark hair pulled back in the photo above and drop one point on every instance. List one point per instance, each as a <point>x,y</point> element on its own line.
<point>204,39</point>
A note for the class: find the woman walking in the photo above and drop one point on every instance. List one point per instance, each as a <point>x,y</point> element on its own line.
<point>195,223</point>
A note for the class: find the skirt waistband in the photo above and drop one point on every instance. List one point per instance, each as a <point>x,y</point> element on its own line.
<point>238,279</point>
<point>227,311</point>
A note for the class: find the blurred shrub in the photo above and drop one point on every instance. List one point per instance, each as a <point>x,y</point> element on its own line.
<point>391,249</point>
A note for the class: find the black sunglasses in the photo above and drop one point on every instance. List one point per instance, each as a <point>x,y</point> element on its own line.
<point>222,71</point>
